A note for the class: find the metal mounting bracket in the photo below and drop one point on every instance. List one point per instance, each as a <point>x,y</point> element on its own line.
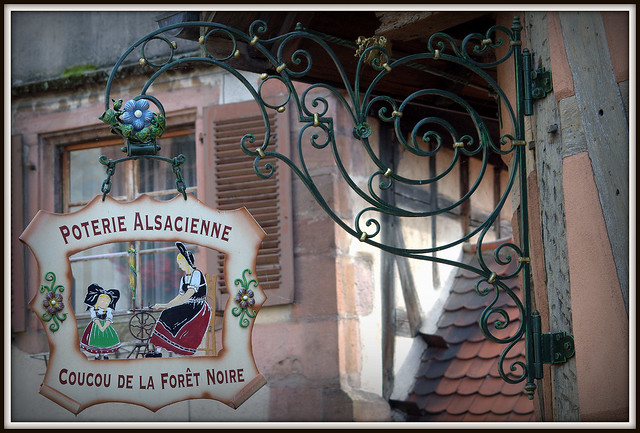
<point>557,347</point>
<point>537,83</point>
<point>549,348</point>
<point>541,83</point>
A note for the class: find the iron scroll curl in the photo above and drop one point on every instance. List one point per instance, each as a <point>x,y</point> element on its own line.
<point>427,137</point>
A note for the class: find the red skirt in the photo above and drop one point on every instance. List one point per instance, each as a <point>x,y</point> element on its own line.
<point>188,338</point>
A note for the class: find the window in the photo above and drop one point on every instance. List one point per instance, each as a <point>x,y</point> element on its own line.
<point>228,182</point>
<point>268,200</point>
<point>108,265</point>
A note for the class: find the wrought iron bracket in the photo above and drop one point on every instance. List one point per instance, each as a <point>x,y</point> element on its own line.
<point>287,62</point>
<point>538,82</point>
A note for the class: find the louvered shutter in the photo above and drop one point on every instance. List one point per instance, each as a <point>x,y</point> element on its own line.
<point>236,185</point>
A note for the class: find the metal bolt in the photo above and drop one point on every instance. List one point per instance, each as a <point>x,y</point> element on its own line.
<point>552,129</point>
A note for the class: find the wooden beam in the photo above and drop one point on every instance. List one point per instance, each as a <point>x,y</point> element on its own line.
<point>409,292</point>
<point>387,276</point>
<point>406,26</point>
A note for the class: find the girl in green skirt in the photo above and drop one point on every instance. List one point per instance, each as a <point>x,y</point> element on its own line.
<point>99,337</point>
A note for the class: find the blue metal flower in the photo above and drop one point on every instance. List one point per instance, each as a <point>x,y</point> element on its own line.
<point>137,114</point>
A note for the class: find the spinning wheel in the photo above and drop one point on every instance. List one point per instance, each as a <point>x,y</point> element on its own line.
<point>141,326</point>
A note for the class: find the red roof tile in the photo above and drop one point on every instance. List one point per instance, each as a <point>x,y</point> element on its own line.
<point>444,354</point>
<point>470,350</point>
<point>512,389</point>
<point>481,368</point>
<point>491,386</point>
<point>470,417</point>
<point>462,382</point>
<point>439,403</point>
<point>458,369</point>
<point>447,386</point>
<point>469,386</point>
<point>461,404</point>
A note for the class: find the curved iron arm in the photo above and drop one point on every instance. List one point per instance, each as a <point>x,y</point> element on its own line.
<point>360,101</point>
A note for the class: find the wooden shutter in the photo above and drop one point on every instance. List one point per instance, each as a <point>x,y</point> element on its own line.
<point>236,185</point>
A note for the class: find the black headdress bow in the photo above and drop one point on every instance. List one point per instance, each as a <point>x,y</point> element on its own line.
<point>94,291</point>
<point>188,255</point>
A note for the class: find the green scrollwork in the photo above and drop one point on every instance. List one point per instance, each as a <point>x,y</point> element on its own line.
<point>245,299</point>
<point>53,302</point>
<point>362,130</point>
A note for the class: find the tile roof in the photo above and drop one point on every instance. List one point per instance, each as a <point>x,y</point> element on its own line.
<point>461,383</point>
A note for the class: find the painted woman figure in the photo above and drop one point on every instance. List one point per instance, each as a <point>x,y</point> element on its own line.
<point>99,336</point>
<point>185,319</point>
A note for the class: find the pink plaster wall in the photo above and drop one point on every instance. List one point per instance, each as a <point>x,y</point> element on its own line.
<point>561,72</point>
<point>616,26</point>
<point>600,321</point>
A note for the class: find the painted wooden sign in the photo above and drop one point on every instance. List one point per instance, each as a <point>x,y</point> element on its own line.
<point>83,371</point>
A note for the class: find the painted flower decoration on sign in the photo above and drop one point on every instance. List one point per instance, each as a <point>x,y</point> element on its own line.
<point>137,114</point>
<point>52,303</point>
<point>245,299</point>
<point>134,121</point>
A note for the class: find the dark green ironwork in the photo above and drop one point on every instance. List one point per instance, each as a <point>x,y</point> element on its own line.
<point>111,169</point>
<point>537,84</point>
<point>361,101</point>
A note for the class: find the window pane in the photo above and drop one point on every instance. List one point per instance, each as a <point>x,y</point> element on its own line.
<point>106,265</point>
<point>86,174</point>
<point>159,273</point>
<point>158,176</point>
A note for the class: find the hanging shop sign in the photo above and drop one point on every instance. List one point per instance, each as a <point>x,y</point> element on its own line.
<point>86,366</point>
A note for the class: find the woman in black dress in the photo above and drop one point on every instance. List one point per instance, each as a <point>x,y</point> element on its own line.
<point>185,319</point>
